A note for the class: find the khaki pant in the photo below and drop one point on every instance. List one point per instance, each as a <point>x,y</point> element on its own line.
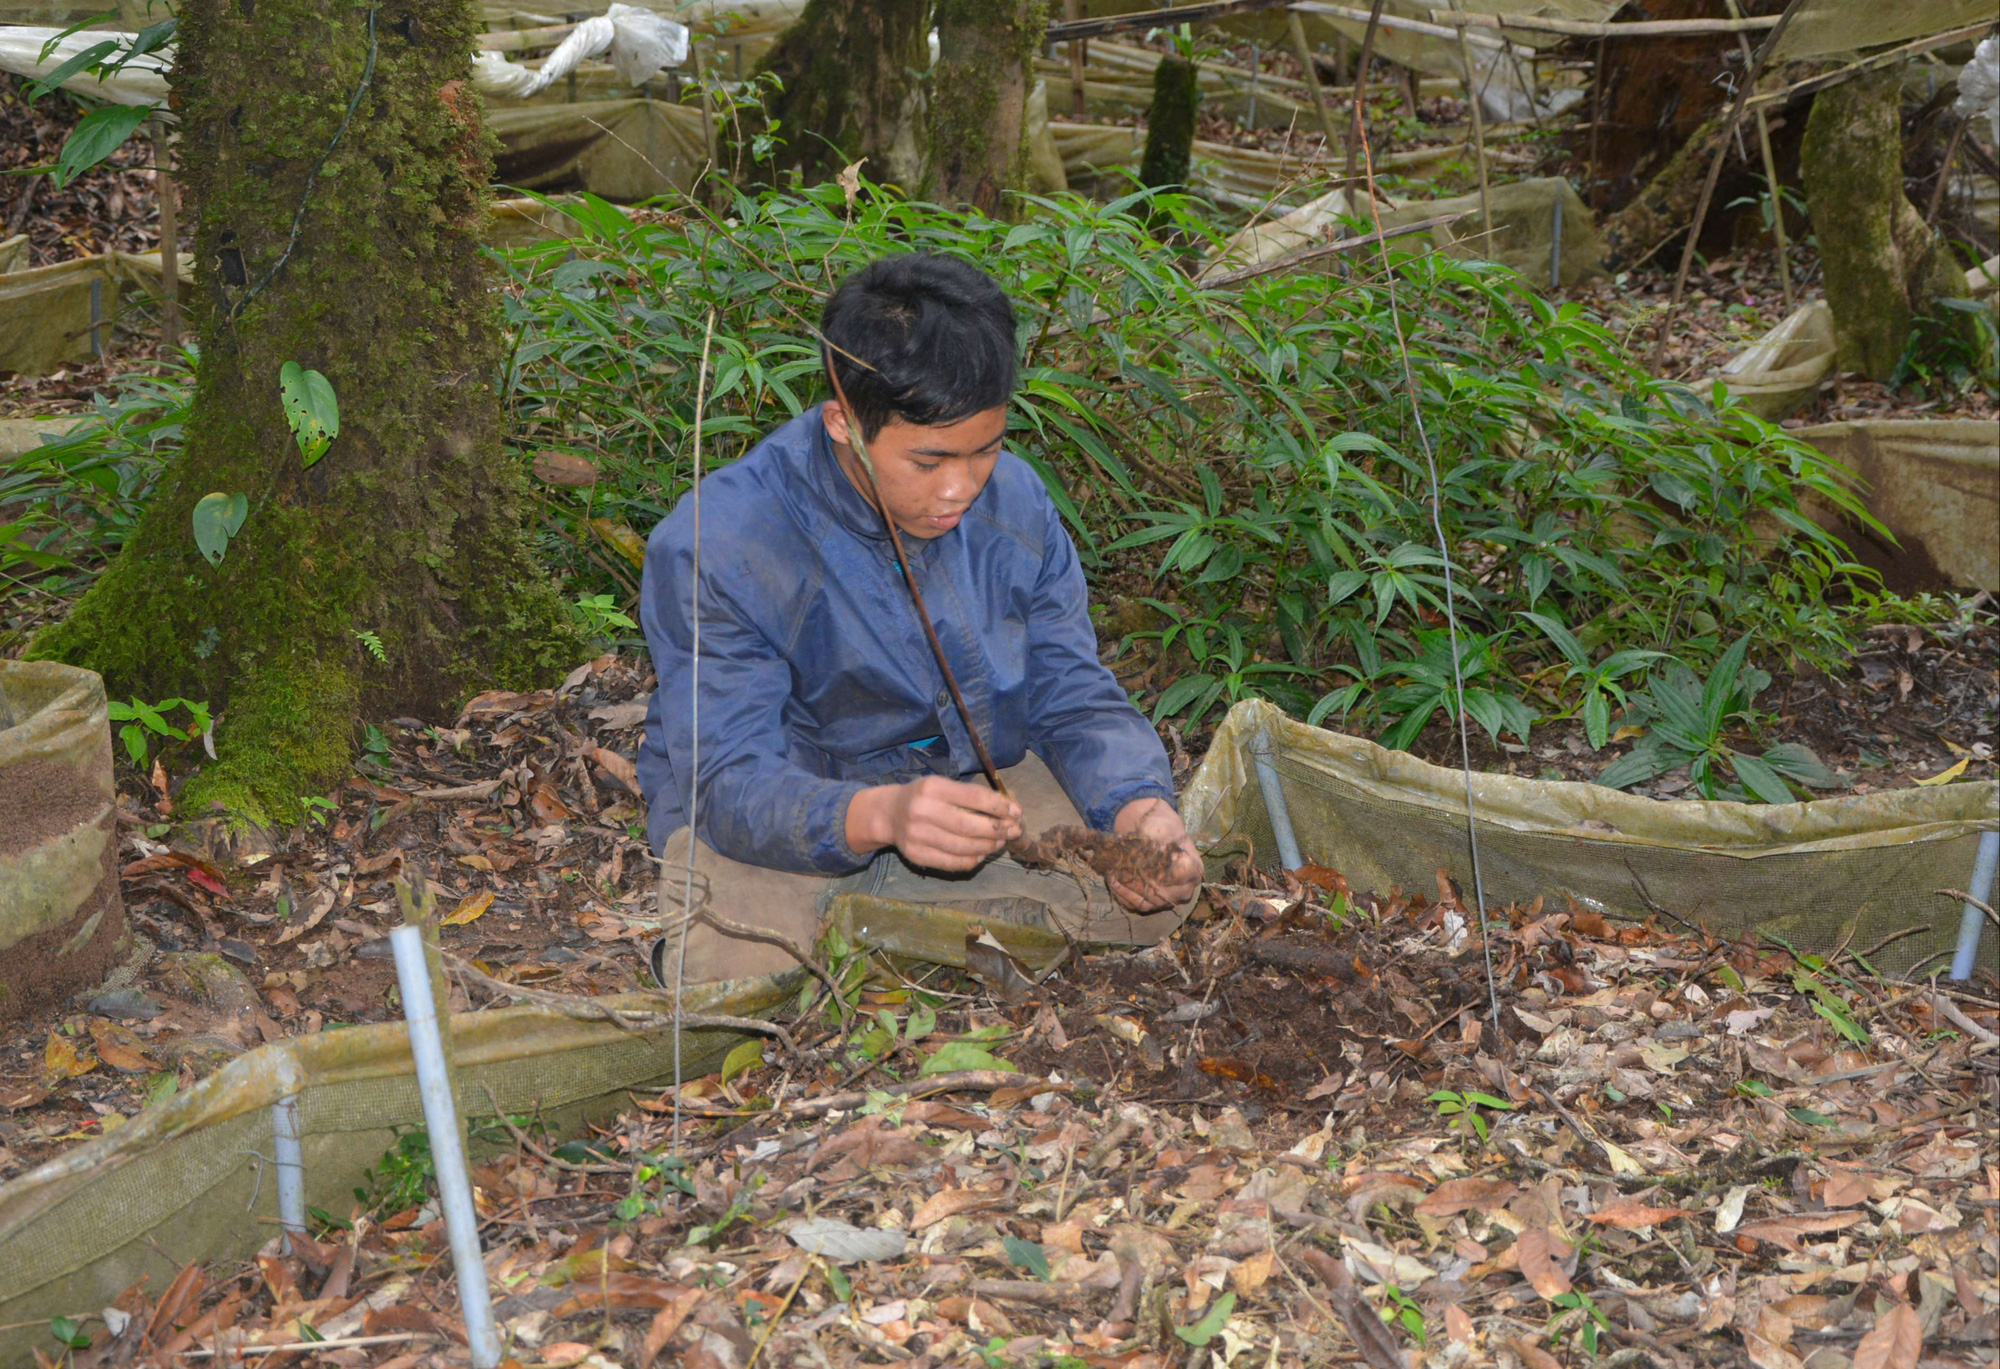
<point>792,904</point>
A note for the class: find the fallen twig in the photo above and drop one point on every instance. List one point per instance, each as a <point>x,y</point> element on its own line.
<point>1980,904</point>
<point>592,1010</point>
<point>958,1081</point>
<point>1955,1015</point>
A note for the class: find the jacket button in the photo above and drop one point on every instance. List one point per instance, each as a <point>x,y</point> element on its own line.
<point>943,700</point>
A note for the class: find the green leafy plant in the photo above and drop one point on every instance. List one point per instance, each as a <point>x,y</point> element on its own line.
<point>1403,1308</point>
<point>143,721</point>
<point>371,642</point>
<point>1593,1321</point>
<point>1211,1324</point>
<point>106,127</point>
<point>311,410</point>
<point>1688,722</point>
<point>1465,1108</point>
<point>601,618</point>
<point>402,1178</point>
<point>1597,681</point>
<point>68,1334</point>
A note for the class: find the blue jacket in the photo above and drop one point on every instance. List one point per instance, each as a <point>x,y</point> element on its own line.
<point>816,680</point>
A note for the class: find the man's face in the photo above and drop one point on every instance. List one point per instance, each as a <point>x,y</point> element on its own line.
<point>929,475</point>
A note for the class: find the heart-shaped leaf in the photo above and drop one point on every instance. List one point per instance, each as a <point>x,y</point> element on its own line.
<point>311,409</point>
<point>217,518</point>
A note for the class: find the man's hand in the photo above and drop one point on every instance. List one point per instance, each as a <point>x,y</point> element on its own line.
<point>936,823</point>
<point>1156,820</point>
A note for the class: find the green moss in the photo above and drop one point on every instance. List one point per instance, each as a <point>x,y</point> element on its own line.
<point>413,526</point>
<point>978,98</point>
<point>289,736</point>
<point>1170,122</point>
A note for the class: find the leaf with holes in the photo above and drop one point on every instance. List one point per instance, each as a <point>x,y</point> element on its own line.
<point>311,408</point>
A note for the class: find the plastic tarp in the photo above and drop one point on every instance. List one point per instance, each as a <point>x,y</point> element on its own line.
<point>13,253</point>
<point>55,746</point>
<point>51,315</point>
<point>620,149</point>
<point>1833,872</point>
<point>1502,68</point>
<point>1822,28</point>
<point>1779,373</point>
<point>184,1180</point>
<point>639,44</point>
<point>1935,484</point>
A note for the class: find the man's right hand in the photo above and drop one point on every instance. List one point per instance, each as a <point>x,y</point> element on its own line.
<point>934,822</point>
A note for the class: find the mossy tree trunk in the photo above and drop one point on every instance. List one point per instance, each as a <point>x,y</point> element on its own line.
<point>412,527</point>
<point>851,87</point>
<point>979,98</point>
<point>1884,268</point>
<point>1170,122</point>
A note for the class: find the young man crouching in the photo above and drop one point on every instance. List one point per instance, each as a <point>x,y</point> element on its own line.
<point>831,757</point>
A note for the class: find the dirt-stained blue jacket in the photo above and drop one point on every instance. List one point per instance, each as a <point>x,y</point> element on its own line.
<point>816,680</point>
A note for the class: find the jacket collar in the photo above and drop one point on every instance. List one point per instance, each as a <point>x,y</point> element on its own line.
<point>832,491</point>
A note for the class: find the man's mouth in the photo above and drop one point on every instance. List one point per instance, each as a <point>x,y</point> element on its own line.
<point>943,522</point>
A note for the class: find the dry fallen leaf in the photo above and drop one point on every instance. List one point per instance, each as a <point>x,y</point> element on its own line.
<point>121,1050</point>
<point>1534,1249</point>
<point>1631,1216</point>
<point>1247,1276</point>
<point>1786,1231</point>
<point>1463,1195</point>
<point>62,1060</point>
<point>471,909</point>
<point>949,1203</point>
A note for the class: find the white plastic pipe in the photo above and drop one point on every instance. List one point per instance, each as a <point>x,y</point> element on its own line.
<point>287,1147</point>
<point>1274,804</point>
<point>461,1223</point>
<point>1973,922</point>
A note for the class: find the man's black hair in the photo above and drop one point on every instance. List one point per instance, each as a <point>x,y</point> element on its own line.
<point>939,333</point>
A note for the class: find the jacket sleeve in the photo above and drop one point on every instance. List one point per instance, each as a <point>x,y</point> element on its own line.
<point>755,804</point>
<point>1101,749</point>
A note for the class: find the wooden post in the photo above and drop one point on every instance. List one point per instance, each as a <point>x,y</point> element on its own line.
<point>1750,79</point>
<point>1304,50</point>
<point>1478,134</point>
<point>170,245</point>
<point>1770,172</point>
<point>1360,95</point>
<point>1073,9</point>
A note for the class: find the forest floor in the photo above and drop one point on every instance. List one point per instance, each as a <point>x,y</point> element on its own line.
<point>1304,1132</point>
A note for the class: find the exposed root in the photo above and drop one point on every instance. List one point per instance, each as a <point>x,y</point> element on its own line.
<point>1134,861</point>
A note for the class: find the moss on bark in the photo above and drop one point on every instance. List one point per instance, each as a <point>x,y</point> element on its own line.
<point>979,99</point>
<point>413,526</point>
<point>1885,269</point>
<point>850,86</point>
<point>1170,122</point>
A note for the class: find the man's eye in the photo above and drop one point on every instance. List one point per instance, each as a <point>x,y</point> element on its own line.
<point>925,465</point>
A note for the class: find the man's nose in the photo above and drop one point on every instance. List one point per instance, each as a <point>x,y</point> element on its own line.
<point>957,486</point>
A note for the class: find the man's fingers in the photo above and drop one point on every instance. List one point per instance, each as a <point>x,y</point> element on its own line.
<point>979,799</point>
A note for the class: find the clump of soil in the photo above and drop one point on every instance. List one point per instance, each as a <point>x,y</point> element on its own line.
<point>1131,860</point>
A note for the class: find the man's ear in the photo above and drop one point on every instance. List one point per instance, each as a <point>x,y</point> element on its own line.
<point>835,417</point>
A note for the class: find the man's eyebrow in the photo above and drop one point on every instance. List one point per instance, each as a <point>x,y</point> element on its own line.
<point>949,451</point>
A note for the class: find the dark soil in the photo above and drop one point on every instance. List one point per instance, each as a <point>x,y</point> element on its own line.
<point>42,800</point>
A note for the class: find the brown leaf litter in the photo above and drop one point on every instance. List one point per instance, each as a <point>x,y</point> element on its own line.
<point>1676,1162</point>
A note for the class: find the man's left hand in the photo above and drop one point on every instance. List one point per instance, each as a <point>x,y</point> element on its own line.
<point>1156,820</point>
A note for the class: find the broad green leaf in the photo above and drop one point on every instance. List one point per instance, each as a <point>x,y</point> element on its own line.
<point>96,136</point>
<point>1760,779</point>
<point>1798,762</point>
<point>217,518</point>
<point>1027,1255</point>
<point>1211,1324</point>
<point>89,57</point>
<point>962,1055</point>
<point>745,1056</point>
<point>311,409</point>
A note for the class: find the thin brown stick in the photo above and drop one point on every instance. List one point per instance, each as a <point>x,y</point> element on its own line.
<point>1354,131</point>
<point>1722,147</point>
<point>1963,897</point>
<point>860,445</point>
<point>1770,171</point>
<point>1944,173</point>
<point>591,1010</point>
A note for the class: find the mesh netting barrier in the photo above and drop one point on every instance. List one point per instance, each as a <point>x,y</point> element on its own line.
<point>192,1178</point>
<point>1838,872</point>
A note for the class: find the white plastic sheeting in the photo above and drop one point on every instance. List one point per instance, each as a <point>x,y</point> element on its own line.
<point>638,42</point>
<point>1979,87</point>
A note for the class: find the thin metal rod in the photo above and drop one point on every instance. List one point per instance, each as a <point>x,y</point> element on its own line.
<point>1275,806</point>
<point>461,1220</point>
<point>1750,79</point>
<point>1974,921</point>
<point>694,720</point>
<point>1450,598</point>
<point>860,445</point>
<point>287,1147</point>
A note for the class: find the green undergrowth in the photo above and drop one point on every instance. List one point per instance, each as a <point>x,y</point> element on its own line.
<point>1243,462</point>
<point>1242,466</point>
